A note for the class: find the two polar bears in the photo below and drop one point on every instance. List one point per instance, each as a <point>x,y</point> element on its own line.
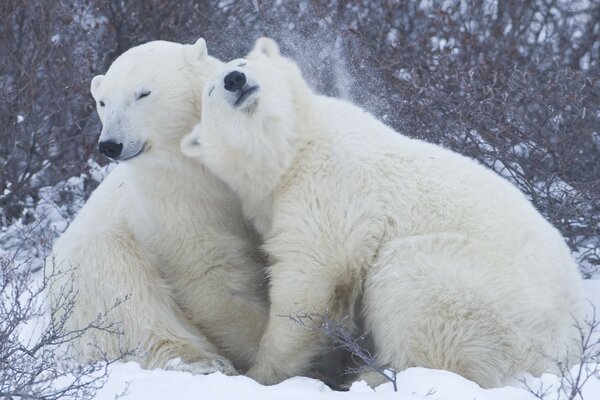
<point>444,264</point>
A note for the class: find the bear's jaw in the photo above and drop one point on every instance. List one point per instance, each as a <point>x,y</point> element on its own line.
<point>247,99</point>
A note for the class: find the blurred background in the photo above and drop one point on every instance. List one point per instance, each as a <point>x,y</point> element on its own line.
<point>514,84</point>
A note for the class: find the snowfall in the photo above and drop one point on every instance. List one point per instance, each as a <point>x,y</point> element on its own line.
<point>127,380</point>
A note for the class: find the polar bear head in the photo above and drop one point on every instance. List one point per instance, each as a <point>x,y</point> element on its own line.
<point>150,97</point>
<point>254,113</point>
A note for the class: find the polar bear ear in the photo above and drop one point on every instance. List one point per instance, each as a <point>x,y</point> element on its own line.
<point>190,146</point>
<point>197,51</point>
<point>266,46</point>
<point>96,81</point>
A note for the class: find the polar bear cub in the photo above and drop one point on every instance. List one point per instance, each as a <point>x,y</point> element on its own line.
<point>161,230</point>
<point>444,263</point>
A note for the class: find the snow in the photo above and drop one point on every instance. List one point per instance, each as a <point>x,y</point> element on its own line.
<point>414,383</point>
<point>392,37</point>
<point>30,242</point>
<point>403,75</point>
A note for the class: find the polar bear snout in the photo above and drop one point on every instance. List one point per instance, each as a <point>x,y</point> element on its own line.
<point>121,151</point>
<point>110,148</point>
<point>234,81</point>
<point>241,92</point>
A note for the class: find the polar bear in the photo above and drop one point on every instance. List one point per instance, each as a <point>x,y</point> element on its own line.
<point>444,263</point>
<point>161,232</point>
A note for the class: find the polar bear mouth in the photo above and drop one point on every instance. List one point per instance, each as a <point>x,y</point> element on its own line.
<point>245,95</point>
<point>143,149</point>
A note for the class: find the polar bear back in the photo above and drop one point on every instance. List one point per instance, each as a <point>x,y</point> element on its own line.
<point>426,189</point>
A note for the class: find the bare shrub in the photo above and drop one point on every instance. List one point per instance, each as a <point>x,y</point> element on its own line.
<point>37,360</point>
<point>45,110</point>
<point>572,379</point>
<point>343,338</point>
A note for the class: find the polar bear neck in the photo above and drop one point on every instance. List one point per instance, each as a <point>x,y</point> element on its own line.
<point>261,168</point>
<point>165,174</point>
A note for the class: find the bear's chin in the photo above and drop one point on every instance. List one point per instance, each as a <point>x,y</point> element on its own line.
<point>250,106</point>
<point>248,100</point>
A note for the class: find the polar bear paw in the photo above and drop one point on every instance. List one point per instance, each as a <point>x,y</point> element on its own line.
<point>202,367</point>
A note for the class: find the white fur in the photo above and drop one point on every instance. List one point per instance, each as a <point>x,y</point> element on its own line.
<point>161,231</point>
<point>446,264</point>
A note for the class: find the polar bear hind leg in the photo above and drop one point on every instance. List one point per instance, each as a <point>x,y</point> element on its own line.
<point>425,304</point>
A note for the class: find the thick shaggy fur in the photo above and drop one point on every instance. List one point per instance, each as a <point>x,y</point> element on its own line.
<point>446,263</point>
<point>161,231</point>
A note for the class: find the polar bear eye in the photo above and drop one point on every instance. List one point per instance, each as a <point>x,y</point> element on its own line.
<point>242,64</point>
<point>145,93</point>
<point>101,103</point>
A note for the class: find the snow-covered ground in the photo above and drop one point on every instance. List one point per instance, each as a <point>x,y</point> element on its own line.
<point>414,383</point>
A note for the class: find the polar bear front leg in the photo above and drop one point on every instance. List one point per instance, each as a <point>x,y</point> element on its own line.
<point>287,347</point>
<point>94,271</point>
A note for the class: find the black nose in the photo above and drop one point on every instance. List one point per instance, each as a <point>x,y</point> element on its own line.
<point>234,81</point>
<point>110,149</point>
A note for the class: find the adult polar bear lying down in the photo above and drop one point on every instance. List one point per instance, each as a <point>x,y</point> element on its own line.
<point>456,270</point>
<point>161,230</point>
